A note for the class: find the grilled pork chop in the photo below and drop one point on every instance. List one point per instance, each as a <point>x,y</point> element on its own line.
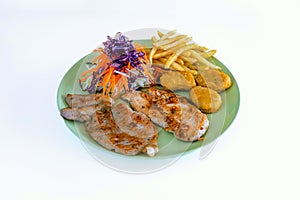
<point>163,109</point>
<point>100,124</point>
<point>81,100</point>
<point>81,114</point>
<point>170,111</point>
<point>193,122</point>
<point>132,122</point>
<point>105,131</point>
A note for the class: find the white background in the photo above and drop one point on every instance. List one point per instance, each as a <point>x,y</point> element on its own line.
<point>256,158</point>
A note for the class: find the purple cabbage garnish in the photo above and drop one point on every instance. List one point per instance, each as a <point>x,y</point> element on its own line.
<point>117,46</point>
<point>136,59</point>
<point>126,61</point>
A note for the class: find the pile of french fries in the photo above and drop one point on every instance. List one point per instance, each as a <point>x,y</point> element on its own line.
<point>179,52</point>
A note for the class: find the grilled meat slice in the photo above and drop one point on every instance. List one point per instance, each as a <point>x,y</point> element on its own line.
<point>105,131</point>
<point>81,100</point>
<point>82,107</point>
<point>101,126</point>
<point>132,122</point>
<point>170,111</point>
<point>81,114</point>
<point>193,124</point>
<point>165,110</point>
<point>140,101</point>
<point>161,107</point>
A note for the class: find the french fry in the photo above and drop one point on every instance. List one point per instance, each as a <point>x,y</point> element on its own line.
<point>163,60</point>
<point>168,40</point>
<point>208,53</point>
<point>174,65</point>
<point>177,67</point>
<point>172,58</point>
<point>162,54</point>
<point>194,72</point>
<point>187,54</point>
<point>174,44</point>
<point>187,59</point>
<point>202,48</point>
<point>152,52</point>
<point>168,34</point>
<point>179,53</point>
<point>191,66</point>
<point>180,61</point>
<point>158,62</point>
<point>204,61</point>
<point>170,51</point>
<point>154,39</point>
<point>163,37</point>
<point>160,34</point>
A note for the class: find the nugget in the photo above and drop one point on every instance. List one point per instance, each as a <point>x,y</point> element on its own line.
<point>214,79</point>
<point>174,80</point>
<point>206,99</point>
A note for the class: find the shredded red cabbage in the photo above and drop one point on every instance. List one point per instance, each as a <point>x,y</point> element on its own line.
<point>117,46</point>
<point>122,53</point>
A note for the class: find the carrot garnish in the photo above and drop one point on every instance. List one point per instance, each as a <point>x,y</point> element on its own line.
<point>107,78</point>
<point>121,64</point>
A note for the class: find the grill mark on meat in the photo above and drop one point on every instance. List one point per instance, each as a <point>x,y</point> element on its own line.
<point>160,106</point>
<point>168,104</point>
<point>101,126</point>
<point>194,123</point>
<point>172,112</point>
<point>81,114</point>
<point>105,131</point>
<point>134,123</point>
<point>142,101</point>
<point>81,100</point>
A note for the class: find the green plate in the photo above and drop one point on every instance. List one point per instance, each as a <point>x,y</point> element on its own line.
<point>169,146</point>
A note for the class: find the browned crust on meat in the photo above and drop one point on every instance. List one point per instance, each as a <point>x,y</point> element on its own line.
<point>193,124</point>
<point>107,134</point>
<point>134,123</point>
<point>81,100</point>
<point>101,126</point>
<point>168,105</point>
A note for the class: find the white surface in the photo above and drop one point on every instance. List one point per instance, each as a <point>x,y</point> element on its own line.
<point>257,157</point>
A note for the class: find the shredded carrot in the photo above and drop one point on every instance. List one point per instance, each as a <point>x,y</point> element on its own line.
<point>104,72</point>
<point>140,47</point>
<point>128,66</point>
<point>98,50</point>
<point>107,78</point>
<point>102,63</point>
<point>109,81</point>
<point>118,76</point>
<point>85,78</point>
<point>111,85</point>
<point>97,58</point>
<point>90,71</point>
<point>99,84</point>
